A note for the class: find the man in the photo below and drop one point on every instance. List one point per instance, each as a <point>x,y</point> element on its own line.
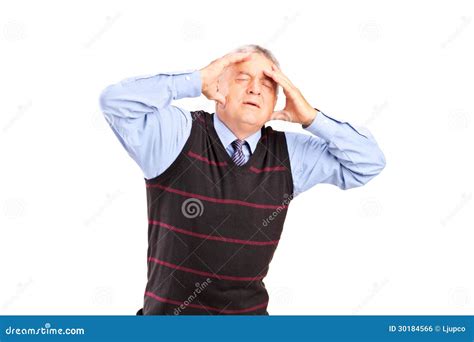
<point>219,185</point>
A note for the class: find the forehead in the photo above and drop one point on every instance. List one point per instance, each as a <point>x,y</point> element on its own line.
<point>254,66</point>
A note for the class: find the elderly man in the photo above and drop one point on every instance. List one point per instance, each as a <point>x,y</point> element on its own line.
<point>219,185</point>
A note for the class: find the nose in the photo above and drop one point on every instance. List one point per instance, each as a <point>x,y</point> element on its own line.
<point>254,87</point>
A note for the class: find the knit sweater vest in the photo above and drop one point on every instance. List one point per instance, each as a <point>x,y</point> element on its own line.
<point>214,226</point>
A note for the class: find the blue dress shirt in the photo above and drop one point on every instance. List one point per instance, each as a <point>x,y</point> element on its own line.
<point>153,132</point>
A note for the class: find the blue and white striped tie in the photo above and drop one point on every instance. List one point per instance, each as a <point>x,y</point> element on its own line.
<point>238,157</point>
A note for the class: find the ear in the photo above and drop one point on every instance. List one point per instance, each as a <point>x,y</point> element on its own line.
<point>275,101</point>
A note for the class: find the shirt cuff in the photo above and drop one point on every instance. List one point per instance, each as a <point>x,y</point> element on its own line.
<point>323,126</point>
<point>186,84</point>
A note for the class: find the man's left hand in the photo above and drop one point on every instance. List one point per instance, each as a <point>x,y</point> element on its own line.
<point>297,109</point>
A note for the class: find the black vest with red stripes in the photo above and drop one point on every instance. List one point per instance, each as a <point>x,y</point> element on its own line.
<point>214,226</point>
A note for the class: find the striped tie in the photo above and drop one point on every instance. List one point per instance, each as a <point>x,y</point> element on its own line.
<point>238,157</point>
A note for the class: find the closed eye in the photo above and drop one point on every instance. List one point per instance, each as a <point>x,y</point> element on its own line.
<point>266,83</point>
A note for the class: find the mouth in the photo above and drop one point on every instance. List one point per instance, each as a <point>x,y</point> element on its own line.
<point>252,104</point>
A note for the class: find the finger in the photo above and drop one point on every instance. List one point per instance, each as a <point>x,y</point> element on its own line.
<point>236,57</point>
<point>282,75</point>
<point>271,74</point>
<point>276,77</point>
<point>280,79</point>
<point>218,97</point>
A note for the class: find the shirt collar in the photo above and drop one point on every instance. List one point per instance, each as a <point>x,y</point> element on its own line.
<point>227,136</point>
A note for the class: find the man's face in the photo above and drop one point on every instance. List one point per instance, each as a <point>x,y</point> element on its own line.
<point>250,94</point>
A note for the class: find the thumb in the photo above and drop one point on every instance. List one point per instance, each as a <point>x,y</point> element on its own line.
<point>220,98</point>
<point>281,115</point>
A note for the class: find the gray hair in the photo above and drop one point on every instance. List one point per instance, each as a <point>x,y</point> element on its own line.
<point>261,50</point>
<point>258,49</point>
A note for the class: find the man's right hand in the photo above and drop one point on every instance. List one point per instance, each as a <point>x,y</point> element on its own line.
<point>211,73</point>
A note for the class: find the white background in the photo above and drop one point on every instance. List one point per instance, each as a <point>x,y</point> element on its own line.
<point>73,233</point>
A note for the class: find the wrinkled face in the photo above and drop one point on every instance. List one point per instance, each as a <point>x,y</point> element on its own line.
<point>250,94</point>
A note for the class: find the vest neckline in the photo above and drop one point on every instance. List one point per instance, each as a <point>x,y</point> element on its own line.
<point>223,152</point>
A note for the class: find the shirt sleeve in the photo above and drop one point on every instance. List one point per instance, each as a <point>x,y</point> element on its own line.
<point>336,153</point>
<point>149,127</point>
